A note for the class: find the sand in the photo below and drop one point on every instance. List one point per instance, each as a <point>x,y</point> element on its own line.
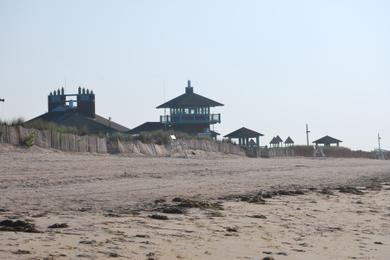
<point>106,201</point>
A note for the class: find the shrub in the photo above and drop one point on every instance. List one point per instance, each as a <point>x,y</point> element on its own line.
<point>29,140</point>
<point>157,137</point>
<point>121,137</point>
<point>43,125</point>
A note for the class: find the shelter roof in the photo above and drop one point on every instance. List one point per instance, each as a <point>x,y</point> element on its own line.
<point>243,133</point>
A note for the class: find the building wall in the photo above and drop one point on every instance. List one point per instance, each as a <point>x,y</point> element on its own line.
<point>86,104</point>
<point>191,128</point>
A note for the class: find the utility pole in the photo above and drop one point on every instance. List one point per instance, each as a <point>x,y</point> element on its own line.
<point>380,155</point>
<point>2,100</point>
<point>307,134</point>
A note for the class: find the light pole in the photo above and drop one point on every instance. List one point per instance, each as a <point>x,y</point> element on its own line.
<point>307,134</point>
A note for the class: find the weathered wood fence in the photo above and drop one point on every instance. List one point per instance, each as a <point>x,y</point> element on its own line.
<point>17,135</point>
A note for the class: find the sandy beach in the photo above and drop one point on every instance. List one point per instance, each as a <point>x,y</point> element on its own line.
<point>208,206</point>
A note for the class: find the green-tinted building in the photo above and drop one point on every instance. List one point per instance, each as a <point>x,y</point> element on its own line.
<point>189,113</point>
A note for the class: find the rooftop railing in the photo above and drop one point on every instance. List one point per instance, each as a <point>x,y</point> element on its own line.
<point>191,119</point>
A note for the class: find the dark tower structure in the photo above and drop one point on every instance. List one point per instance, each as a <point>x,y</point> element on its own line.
<point>86,102</point>
<point>77,111</point>
<point>83,104</point>
<point>57,101</point>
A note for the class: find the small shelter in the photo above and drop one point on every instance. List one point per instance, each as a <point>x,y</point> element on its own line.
<point>280,140</point>
<point>244,136</point>
<point>276,142</point>
<point>289,142</point>
<point>327,141</point>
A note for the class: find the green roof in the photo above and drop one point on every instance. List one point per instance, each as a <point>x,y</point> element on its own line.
<point>289,140</point>
<point>190,99</point>
<point>327,140</point>
<point>243,133</point>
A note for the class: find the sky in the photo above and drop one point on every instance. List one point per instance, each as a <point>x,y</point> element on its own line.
<point>276,65</point>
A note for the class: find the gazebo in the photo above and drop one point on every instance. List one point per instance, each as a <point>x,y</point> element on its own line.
<point>276,141</point>
<point>280,140</point>
<point>244,136</point>
<point>289,142</point>
<point>327,141</point>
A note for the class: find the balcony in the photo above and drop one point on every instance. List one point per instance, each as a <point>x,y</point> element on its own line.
<point>191,119</point>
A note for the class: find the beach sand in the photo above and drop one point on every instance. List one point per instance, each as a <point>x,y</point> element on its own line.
<point>110,203</point>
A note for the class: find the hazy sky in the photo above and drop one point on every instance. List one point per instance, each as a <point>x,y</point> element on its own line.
<point>274,64</point>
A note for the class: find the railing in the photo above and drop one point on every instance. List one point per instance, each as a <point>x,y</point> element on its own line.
<point>191,118</point>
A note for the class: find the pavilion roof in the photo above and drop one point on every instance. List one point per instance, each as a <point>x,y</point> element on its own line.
<point>274,140</point>
<point>243,133</point>
<point>280,140</point>
<point>190,99</point>
<point>289,140</point>
<point>327,140</point>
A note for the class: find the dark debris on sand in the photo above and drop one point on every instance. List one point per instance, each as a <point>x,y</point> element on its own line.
<point>159,201</point>
<point>188,203</point>
<point>326,191</point>
<point>158,217</point>
<point>150,256</point>
<point>181,205</point>
<point>173,210</point>
<point>17,226</point>
<point>288,192</point>
<point>259,216</point>
<point>351,190</point>
<point>232,229</point>
<point>260,197</point>
<point>58,225</point>
<point>21,252</point>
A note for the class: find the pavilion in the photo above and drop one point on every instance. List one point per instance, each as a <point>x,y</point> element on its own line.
<point>327,141</point>
<point>289,142</point>
<point>245,136</point>
<point>276,141</point>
